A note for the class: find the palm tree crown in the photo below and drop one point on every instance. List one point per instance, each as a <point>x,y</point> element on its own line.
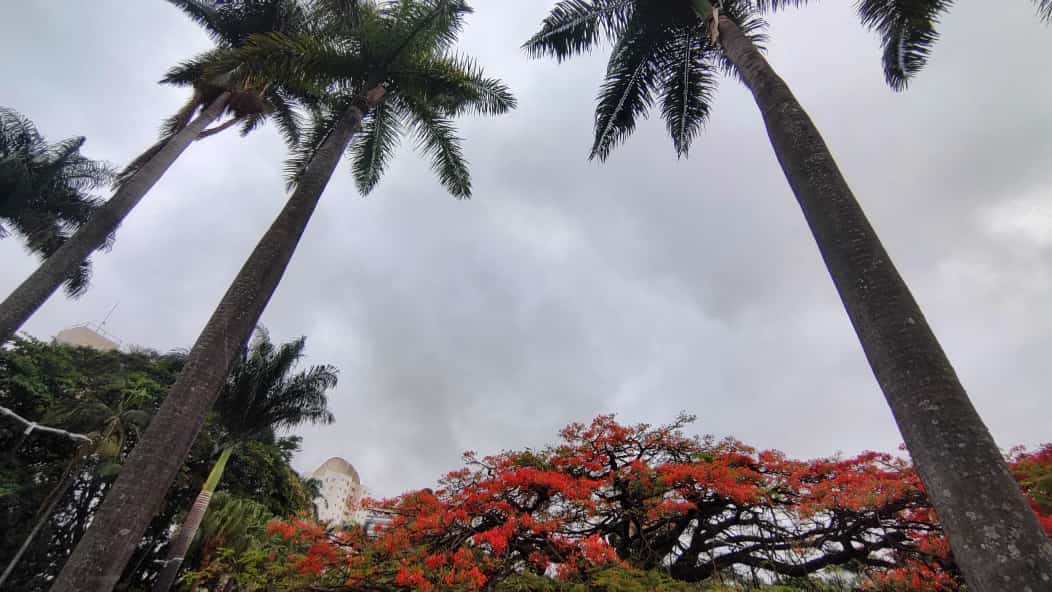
<point>250,100</point>
<point>46,189</point>
<point>405,47</point>
<point>263,394</point>
<point>667,50</point>
<point>662,50</point>
<point>907,29</point>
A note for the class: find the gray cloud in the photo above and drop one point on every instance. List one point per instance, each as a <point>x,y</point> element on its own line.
<point>643,286</point>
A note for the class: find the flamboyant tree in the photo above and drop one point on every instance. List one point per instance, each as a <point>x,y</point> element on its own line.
<point>637,498</point>
<point>672,53</point>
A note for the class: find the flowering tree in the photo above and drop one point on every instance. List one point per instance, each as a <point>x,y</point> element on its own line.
<point>644,499</point>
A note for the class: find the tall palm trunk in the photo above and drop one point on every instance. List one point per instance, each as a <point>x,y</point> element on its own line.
<point>995,537</point>
<point>181,543</point>
<point>64,262</point>
<point>97,562</point>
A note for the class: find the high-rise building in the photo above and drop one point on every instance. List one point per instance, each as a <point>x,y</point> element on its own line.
<point>340,491</point>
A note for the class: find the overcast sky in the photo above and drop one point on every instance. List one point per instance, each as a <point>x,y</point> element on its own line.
<point>565,288</point>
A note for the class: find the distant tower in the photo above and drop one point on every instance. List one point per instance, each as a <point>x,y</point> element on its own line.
<point>340,491</point>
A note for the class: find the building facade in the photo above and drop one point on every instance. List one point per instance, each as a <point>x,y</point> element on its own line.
<point>84,336</point>
<point>340,491</point>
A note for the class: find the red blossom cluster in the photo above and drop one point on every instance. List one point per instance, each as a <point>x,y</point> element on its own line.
<point>644,497</point>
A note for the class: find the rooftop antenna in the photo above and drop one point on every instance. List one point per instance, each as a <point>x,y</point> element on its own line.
<point>107,317</point>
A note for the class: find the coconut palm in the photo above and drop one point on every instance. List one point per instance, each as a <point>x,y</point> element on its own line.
<point>261,396</point>
<point>46,190</point>
<point>249,101</point>
<point>364,54</point>
<point>672,52</point>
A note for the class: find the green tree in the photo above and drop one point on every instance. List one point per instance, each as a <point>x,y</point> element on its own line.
<point>233,527</point>
<point>673,52</point>
<point>215,93</point>
<point>261,396</point>
<point>44,383</point>
<point>50,484</point>
<point>111,428</point>
<point>360,52</point>
<point>46,190</point>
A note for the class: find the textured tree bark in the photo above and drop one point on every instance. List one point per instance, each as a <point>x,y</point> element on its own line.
<point>42,283</point>
<point>996,539</point>
<point>97,562</point>
<point>181,543</point>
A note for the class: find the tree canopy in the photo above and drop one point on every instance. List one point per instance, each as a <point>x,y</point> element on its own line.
<point>636,503</point>
<point>46,190</point>
<point>82,390</point>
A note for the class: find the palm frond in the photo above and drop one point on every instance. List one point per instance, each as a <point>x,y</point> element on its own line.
<point>907,33</point>
<point>189,72</point>
<point>414,29</point>
<point>766,6</point>
<point>204,14</point>
<point>263,395</point>
<point>286,117</point>
<point>309,62</point>
<point>338,14</point>
<point>229,24</point>
<point>436,137</point>
<point>454,85</point>
<point>627,93</point>
<point>46,190</point>
<point>1044,10</point>
<point>575,26</point>
<point>688,88</point>
<point>377,141</point>
<point>321,121</point>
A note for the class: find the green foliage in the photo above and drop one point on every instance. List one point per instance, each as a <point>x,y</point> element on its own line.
<point>263,394</point>
<point>110,395</point>
<point>46,190</point>
<point>404,46</point>
<point>619,579</point>
<point>661,50</point>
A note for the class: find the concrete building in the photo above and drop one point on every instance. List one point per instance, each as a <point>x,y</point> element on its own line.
<point>84,336</point>
<point>340,489</point>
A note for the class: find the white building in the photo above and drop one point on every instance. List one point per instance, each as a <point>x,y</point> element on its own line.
<point>84,336</point>
<point>340,489</point>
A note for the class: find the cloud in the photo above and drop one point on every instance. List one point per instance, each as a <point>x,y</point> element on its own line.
<point>566,288</point>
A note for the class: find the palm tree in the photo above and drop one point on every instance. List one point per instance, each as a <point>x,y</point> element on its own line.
<point>249,102</point>
<point>260,397</point>
<point>46,190</point>
<point>673,51</point>
<point>361,52</point>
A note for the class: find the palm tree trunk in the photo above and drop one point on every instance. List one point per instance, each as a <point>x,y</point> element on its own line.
<point>64,262</point>
<point>96,563</point>
<point>995,537</point>
<point>44,514</point>
<point>192,522</point>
